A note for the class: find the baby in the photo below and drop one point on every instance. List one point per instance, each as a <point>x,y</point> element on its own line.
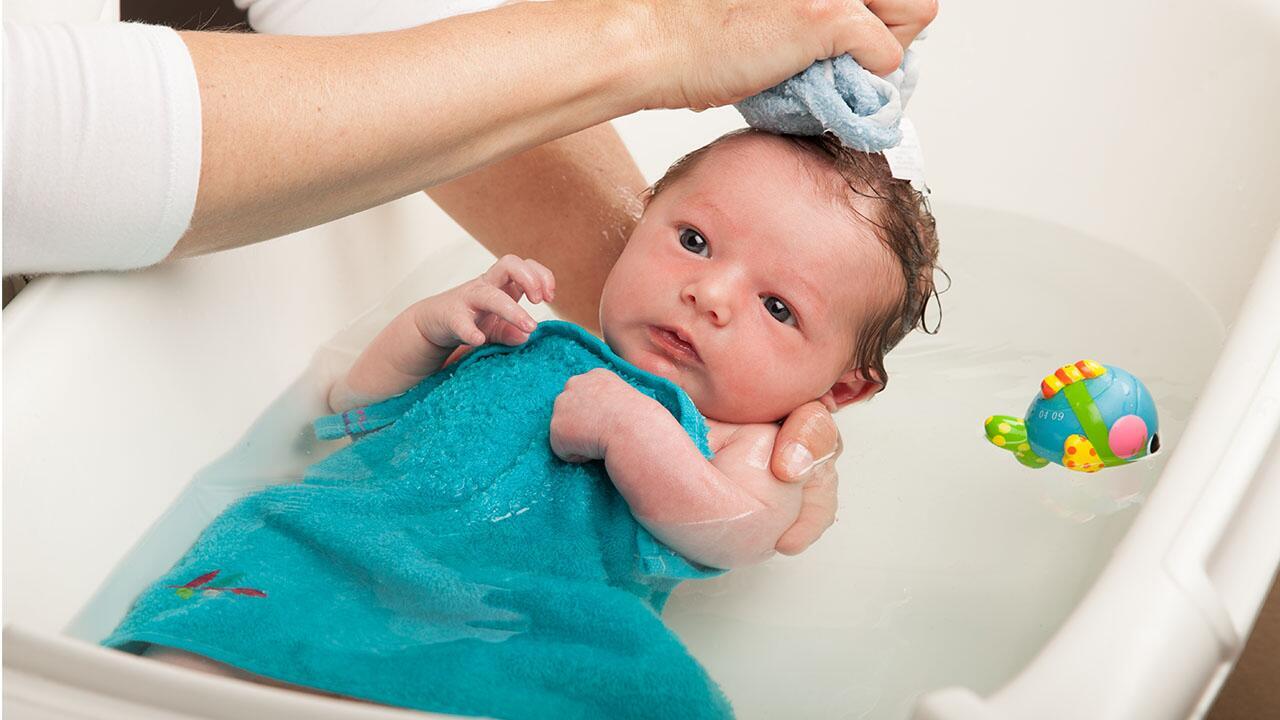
<point>495,579</point>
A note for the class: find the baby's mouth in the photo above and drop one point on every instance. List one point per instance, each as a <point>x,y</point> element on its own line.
<point>675,344</point>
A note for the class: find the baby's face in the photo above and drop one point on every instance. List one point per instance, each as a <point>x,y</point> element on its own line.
<point>745,284</point>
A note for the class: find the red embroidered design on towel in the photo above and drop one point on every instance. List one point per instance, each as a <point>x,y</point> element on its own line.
<point>205,584</point>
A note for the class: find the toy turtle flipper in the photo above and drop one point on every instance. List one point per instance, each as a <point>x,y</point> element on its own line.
<point>1079,454</point>
<point>1010,433</point>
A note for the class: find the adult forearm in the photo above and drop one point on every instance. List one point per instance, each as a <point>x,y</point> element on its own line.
<point>298,131</point>
<point>569,204</point>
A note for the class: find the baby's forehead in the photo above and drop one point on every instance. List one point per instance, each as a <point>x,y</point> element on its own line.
<point>781,166</point>
<point>752,149</point>
<point>767,183</point>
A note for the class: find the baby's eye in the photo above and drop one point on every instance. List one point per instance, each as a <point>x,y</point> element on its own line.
<point>779,310</point>
<point>693,241</point>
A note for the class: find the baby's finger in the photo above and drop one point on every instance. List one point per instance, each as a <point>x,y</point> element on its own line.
<point>513,269</point>
<point>463,326</point>
<point>501,331</point>
<point>548,278</point>
<point>526,274</point>
<point>487,298</point>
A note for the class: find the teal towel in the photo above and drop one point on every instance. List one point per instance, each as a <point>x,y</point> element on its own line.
<point>447,560</point>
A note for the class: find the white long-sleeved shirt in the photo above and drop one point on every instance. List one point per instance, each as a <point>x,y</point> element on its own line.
<point>101,145</point>
<point>102,129</point>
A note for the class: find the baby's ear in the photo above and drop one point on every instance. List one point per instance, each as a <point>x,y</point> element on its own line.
<point>851,387</point>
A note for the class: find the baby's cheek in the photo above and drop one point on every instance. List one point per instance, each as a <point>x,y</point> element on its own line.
<point>756,396</point>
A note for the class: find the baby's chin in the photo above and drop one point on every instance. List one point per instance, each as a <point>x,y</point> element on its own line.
<point>742,410</point>
<point>725,407</point>
<point>717,405</point>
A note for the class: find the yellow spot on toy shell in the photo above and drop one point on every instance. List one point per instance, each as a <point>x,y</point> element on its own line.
<point>999,440</point>
<point>989,419</point>
<point>1004,427</point>
<point>1024,447</point>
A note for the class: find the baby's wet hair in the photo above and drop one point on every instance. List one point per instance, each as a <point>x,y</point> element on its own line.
<point>903,223</point>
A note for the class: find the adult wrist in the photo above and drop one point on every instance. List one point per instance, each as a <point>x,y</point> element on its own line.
<point>655,63</point>
<point>629,52</point>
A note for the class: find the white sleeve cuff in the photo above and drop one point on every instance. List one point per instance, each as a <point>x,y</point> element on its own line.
<point>101,145</point>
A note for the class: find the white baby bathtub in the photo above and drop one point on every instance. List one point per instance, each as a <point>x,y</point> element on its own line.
<point>1108,173</point>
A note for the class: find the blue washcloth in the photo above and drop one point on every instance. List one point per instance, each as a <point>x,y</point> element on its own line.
<point>447,560</point>
<point>837,96</point>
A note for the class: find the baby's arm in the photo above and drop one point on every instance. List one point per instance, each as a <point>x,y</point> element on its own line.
<point>419,340</point>
<point>722,513</point>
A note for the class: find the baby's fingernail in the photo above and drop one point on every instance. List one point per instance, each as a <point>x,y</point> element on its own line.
<point>529,325</point>
<point>797,459</point>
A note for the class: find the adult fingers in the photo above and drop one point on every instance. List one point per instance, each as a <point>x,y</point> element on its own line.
<point>817,511</point>
<point>906,19</point>
<point>808,438</point>
<point>869,40</point>
<point>714,52</point>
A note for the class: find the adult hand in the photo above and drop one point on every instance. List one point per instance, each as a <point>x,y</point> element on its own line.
<point>806,451</point>
<point>906,19</point>
<point>716,52</point>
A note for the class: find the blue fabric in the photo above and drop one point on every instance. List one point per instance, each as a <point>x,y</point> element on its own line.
<point>840,97</point>
<point>448,561</point>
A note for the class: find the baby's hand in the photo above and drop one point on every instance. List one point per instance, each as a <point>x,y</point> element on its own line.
<point>483,310</point>
<point>587,413</point>
<point>487,309</point>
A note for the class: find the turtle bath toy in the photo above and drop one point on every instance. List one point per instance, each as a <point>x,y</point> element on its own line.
<point>1088,416</point>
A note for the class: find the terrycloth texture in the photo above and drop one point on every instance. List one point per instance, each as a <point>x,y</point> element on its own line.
<point>839,96</point>
<point>449,561</point>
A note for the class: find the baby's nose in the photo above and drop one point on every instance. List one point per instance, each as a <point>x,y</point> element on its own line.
<point>708,299</point>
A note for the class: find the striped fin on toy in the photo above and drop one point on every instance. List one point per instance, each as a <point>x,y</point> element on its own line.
<point>1067,374</point>
<point>1010,433</point>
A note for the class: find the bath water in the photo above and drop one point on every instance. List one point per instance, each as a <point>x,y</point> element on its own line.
<point>950,563</point>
